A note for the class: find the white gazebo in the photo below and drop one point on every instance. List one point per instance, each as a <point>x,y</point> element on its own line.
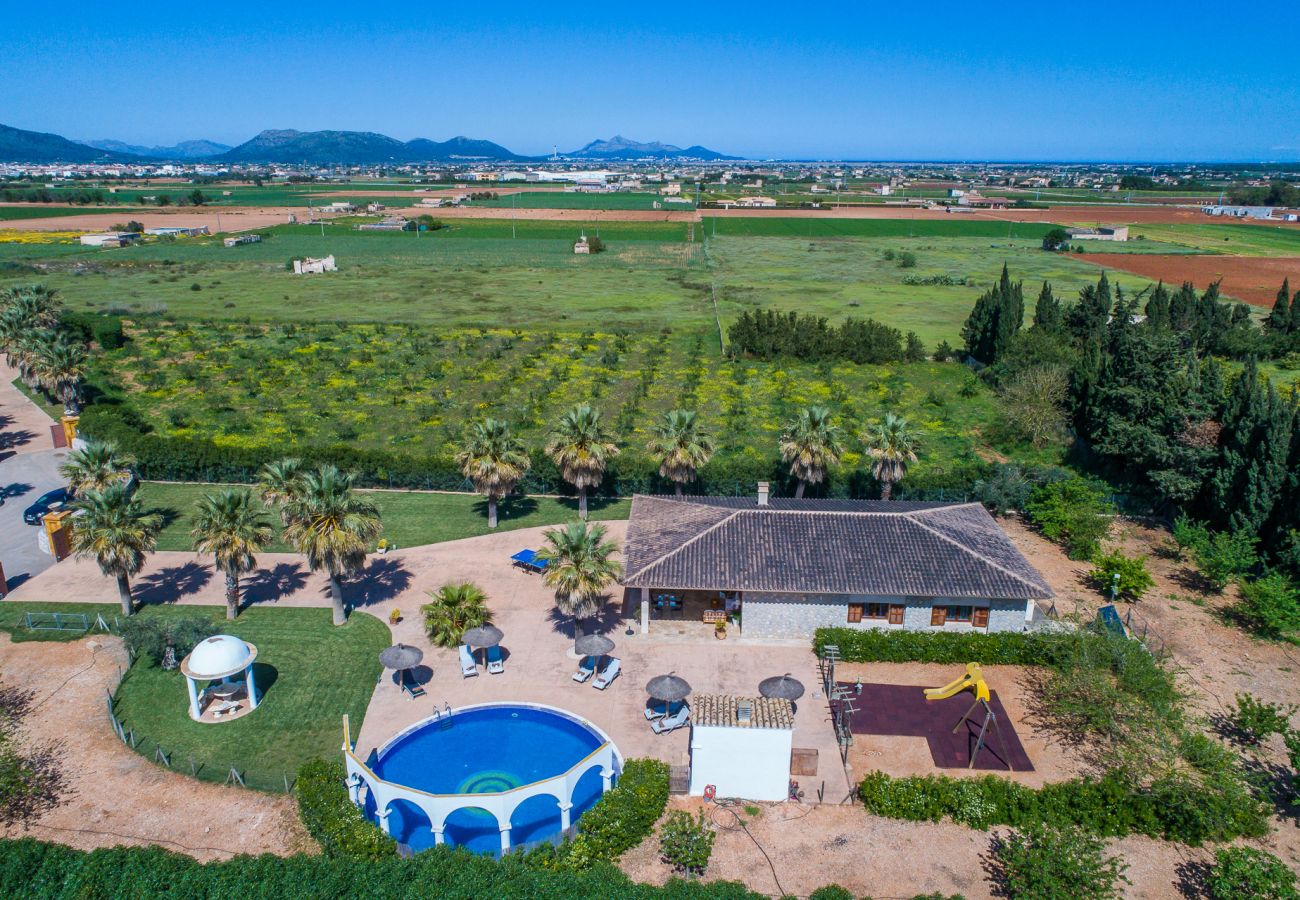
<point>220,658</point>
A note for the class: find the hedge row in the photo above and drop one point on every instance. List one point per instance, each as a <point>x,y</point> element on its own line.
<point>331,818</point>
<point>1175,807</point>
<point>34,870</point>
<point>1009,648</point>
<point>167,458</point>
<point>621,819</point>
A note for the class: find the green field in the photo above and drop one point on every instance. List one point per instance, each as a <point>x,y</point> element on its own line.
<point>410,518</point>
<point>582,200</point>
<point>1236,238</point>
<point>18,213</point>
<point>786,226</point>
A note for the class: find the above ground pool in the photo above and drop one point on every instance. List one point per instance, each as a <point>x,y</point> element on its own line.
<point>489,749</point>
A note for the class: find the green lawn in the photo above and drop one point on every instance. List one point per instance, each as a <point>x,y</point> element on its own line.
<point>410,519</point>
<point>956,227</point>
<point>12,619</point>
<point>1236,238</point>
<point>310,673</point>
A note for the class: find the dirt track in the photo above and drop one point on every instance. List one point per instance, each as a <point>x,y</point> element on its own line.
<point>237,218</point>
<point>1251,278</point>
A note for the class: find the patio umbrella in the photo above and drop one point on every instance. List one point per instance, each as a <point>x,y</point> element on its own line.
<point>483,636</point>
<point>669,688</point>
<point>593,645</point>
<point>782,687</point>
<point>401,656</point>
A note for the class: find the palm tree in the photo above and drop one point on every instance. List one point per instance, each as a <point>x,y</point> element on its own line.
<point>494,459</point>
<point>114,530</point>
<point>811,445</point>
<point>892,444</point>
<point>682,445</point>
<point>230,527</point>
<point>332,526</point>
<point>60,366</point>
<point>279,482</point>
<point>455,609</point>
<point>24,311</point>
<point>579,569</point>
<point>582,449</point>
<point>96,466</point>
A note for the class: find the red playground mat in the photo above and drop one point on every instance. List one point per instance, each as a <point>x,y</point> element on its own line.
<point>902,710</point>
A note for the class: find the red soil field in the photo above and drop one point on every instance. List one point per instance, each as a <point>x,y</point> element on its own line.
<point>1253,279</point>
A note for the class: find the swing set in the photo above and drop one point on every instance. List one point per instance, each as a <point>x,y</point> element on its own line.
<point>974,681</point>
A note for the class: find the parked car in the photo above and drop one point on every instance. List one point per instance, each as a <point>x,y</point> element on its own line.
<point>47,502</point>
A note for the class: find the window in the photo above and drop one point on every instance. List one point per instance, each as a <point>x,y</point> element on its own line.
<point>855,612</point>
<point>877,610</point>
<point>896,613</point>
<point>959,613</point>
<point>981,617</point>
<point>975,616</point>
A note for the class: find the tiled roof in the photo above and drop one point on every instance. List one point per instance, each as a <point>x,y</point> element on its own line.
<point>870,547</point>
<point>720,710</point>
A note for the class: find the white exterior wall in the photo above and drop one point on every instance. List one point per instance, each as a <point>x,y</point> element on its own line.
<point>767,615</point>
<point>747,763</point>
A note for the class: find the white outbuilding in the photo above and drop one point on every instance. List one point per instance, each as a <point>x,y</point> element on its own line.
<point>219,661</point>
<point>741,746</point>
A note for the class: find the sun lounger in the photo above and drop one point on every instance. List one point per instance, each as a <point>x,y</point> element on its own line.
<point>529,561</point>
<point>468,668</point>
<point>410,685</point>
<point>673,722</point>
<point>495,664</point>
<point>606,675</point>
<point>586,668</point>
<point>658,712</point>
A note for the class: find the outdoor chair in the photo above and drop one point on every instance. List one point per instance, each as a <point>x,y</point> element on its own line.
<point>468,667</point>
<point>495,664</point>
<point>586,668</point>
<point>658,712</point>
<point>607,675</point>
<point>410,685</point>
<point>673,722</point>
<point>223,707</point>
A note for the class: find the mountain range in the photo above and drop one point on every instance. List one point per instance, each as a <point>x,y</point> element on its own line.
<point>619,147</point>
<point>183,150</point>
<point>317,148</point>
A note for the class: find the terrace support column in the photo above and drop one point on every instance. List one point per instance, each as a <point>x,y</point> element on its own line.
<point>354,789</point>
<point>252,689</point>
<point>195,712</point>
<point>606,779</point>
<point>566,818</point>
<point>383,820</point>
<point>645,609</point>
<point>438,838</point>
<point>505,839</point>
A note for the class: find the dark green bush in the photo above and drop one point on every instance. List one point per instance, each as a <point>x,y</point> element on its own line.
<point>152,636</point>
<point>621,819</point>
<point>1240,872</point>
<point>998,648</point>
<point>330,817</point>
<point>831,892</point>
<point>33,870</point>
<point>1269,607</point>
<point>686,842</point>
<point>1251,721</point>
<point>1041,862</point>
<point>1074,512</point>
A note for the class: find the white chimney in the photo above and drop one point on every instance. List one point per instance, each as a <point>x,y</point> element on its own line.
<point>762,493</point>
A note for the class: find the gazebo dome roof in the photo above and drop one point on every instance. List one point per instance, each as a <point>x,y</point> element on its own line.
<point>218,656</point>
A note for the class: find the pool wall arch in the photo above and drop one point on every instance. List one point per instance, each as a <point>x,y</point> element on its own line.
<point>501,804</point>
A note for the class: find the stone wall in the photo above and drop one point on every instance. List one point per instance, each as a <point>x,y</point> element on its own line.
<point>799,615</point>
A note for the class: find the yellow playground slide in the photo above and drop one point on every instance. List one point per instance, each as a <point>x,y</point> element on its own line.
<point>973,680</point>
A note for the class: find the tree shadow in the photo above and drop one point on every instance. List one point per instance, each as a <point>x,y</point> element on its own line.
<point>275,583</point>
<point>1193,878</point>
<point>166,514</point>
<point>170,584</point>
<point>265,676</point>
<point>16,489</point>
<point>382,579</point>
<point>514,507</point>
<point>605,621</point>
<point>1189,578</point>
<point>12,439</point>
<point>1275,782</point>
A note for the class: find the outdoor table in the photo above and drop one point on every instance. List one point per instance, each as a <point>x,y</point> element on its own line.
<point>226,689</point>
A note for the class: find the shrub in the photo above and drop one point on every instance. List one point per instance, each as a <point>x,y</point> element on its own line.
<point>1005,489</point>
<point>1041,862</point>
<point>831,892</point>
<point>1246,872</point>
<point>997,648</point>
<point>1224,555</point>
<point>330,817</point>
<point>1073,512</point>
<point>1127,573</point>
<point>1269,607</point>
<point>1056,239</point>
<point>907,260</point>
<point>154,636</point>
<point>685,842</point>
<point>620,820</point>
<point>1252,721</point>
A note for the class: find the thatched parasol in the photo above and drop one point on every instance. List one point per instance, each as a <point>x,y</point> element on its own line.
<point>483,636</point>
<point>400,656</point>
<point>593,645</point>
<point>668,687</point>
<point>782,687</point>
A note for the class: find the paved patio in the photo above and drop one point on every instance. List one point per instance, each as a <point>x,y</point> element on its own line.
<point>538,642</point>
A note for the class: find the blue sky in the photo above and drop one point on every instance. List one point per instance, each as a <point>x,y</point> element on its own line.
<point>862,80</point>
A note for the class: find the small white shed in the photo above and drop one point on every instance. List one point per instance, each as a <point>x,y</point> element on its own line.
<point>741,746</point>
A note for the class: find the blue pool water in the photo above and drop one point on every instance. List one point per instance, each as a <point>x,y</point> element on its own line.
<point>488,749</point>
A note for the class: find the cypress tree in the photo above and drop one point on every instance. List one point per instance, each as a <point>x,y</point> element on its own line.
<point>997,316</point>
<point>1158,307</point>
<point>1253,451</point>
<point>1047,310</point>
<point>1295,313</point>
<point>1279,320</point>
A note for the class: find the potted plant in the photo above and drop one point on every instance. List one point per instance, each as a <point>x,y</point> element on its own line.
<point>394,617</point>
<point>383,545</point>
<point>720,631</point>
